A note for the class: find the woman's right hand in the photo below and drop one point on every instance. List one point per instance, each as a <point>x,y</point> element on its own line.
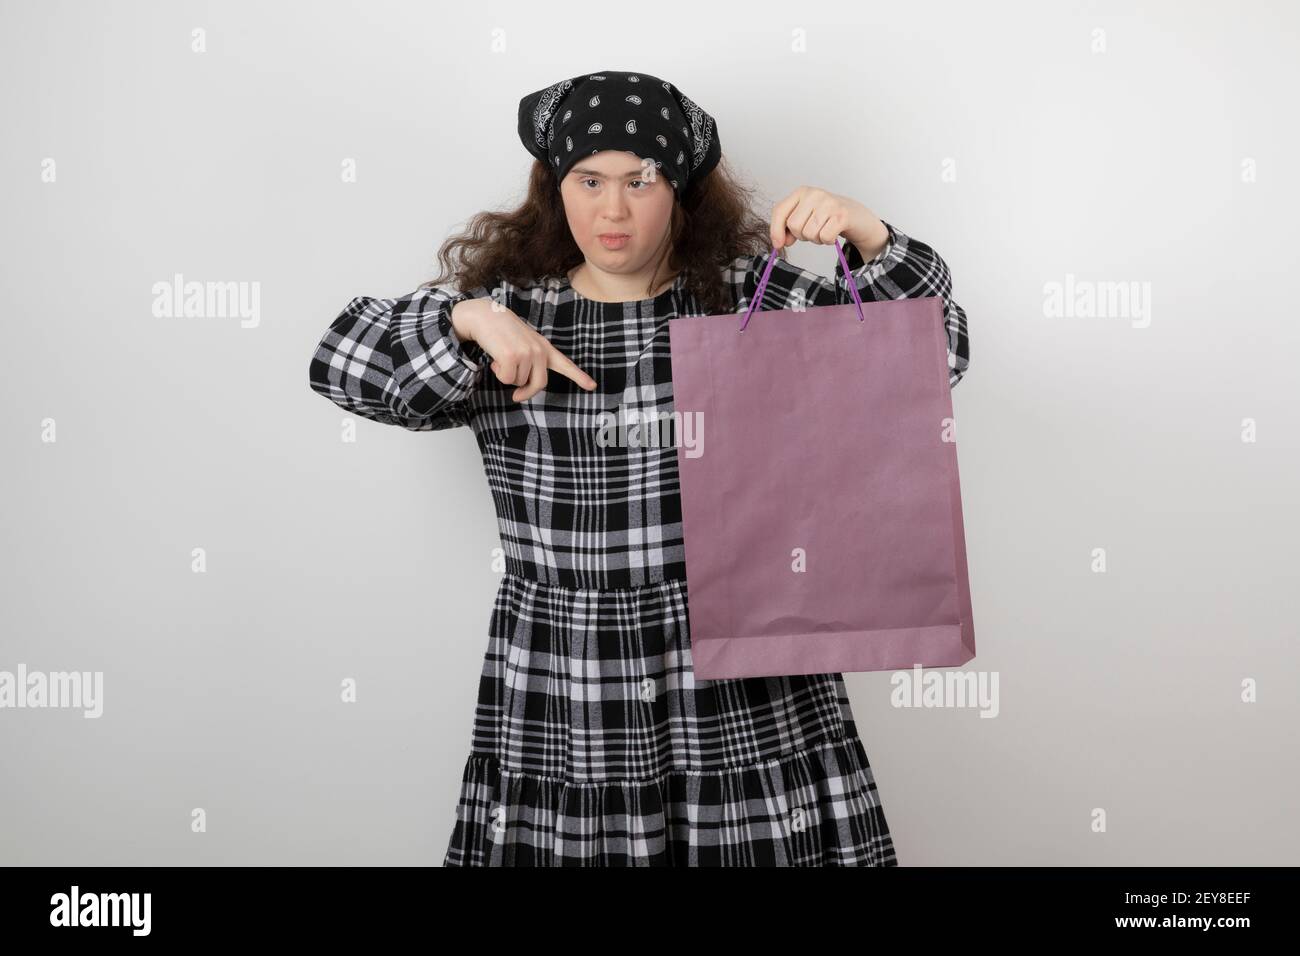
<point>520,354</point>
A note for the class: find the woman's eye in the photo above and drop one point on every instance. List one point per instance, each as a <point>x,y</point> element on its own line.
<point>640,182</point>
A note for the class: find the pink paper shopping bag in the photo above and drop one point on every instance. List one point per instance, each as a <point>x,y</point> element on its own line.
<point>821,504</point>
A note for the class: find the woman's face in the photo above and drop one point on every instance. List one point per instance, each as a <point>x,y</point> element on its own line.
<point>613,192</point>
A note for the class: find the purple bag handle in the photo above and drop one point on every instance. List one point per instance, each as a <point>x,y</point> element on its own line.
<point>771,260</point>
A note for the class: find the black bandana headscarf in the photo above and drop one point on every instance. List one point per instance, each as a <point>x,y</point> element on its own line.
<point>634,112</point>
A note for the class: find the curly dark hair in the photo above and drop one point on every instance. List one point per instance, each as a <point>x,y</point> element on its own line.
<point>710,227</point>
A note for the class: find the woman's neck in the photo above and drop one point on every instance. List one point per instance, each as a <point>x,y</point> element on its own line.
<point>611,287</point>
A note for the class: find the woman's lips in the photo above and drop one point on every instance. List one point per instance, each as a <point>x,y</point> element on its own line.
<point>613,241</point>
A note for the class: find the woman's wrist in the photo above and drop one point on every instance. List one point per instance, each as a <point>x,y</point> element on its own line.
<point>462,321</point>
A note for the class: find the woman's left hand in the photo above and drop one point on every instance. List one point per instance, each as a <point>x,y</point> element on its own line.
<point>815,215</point>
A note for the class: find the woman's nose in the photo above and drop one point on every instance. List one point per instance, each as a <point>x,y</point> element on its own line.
<point>616,205</point>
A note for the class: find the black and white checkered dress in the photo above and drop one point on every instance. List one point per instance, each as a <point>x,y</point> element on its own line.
<point>593,743</point>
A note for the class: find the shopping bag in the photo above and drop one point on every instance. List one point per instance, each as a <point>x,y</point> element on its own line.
<point>821,503</point>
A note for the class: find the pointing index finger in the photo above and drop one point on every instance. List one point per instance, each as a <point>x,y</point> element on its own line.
<point>558,361</point>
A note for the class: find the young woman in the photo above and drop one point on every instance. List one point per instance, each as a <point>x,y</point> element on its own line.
<point>593,743</point>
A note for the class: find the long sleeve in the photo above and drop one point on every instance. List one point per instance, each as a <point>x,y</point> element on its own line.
<point>399,361</point>
<point>905,269</point>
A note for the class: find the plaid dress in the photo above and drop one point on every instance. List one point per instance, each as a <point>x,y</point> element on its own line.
<point>593,742</point>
